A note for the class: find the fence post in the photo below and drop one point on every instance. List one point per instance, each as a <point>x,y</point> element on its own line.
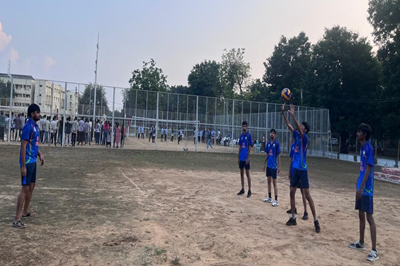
<point>197,122</point>
<point>157,121</point>
<point>51,107</point>
<point>11,107</point>
<point>65,101</point>
<point>398,153</point>
<point>233,118</point>
<point>112,123</point>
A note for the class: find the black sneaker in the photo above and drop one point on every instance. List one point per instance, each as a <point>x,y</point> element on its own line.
<point>317,227</point>
<point>241,192</point>
<point>305,216</point>
<point>292,221</point>
<point>249,194</point>
<point>290,211</point>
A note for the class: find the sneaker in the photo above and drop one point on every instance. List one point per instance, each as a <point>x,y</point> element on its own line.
<point>373,256</point>
<point>305,216</point>
<point>249,194</point>
<point>290,211</point>
<point>357,245</point>
<point>275,203</point>
<point>267,199</point>
<point>241,192</point>
<point>317,227</point>
<point>292,221</point>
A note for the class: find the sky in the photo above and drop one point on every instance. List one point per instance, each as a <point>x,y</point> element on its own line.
<point>56,40</point>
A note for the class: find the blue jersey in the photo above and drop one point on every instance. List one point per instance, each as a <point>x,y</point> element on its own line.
<point>30,132</point>
<point>244,142</point>
<point>366,158</point>
<point>273,150</point>
<point>291,154</point>
<point>300,151</point>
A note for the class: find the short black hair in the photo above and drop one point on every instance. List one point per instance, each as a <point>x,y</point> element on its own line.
<point>366,129</point>
<point>244,123</point>
<point>272,130</point>
<point>33,108</point>
<point>307,126</point>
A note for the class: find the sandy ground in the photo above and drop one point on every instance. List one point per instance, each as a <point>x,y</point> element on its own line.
<point>124,207</point>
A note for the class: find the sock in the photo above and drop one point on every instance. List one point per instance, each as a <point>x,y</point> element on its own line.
<point>269,194</point>
<point>361,242</point>
<point>375,250</point>
<point>293,216</point>
<point>315,219</point>
<point>276,197</point>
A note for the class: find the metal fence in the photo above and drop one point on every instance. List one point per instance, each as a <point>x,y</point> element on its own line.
<point>163,110</point>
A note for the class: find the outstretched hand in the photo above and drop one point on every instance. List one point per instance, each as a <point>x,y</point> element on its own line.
<point>291,111</point>
<point>283,108</point>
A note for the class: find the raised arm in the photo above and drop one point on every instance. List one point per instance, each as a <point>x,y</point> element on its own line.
<point>291,111</point>
<point>286,120</point>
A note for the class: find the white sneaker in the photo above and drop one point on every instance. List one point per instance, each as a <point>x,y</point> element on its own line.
<point>373,256</point>
<point>267,199</point>
<point>275,203</point>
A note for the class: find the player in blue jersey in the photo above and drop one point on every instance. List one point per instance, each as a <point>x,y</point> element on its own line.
<point>245,144</point>
<point>365,191</point>
<point>299,179</point>
<point>273,163</point>
<point>291,155</point>
<point>27,161</point>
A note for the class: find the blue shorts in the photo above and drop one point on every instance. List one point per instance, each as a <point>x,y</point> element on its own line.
<point>366,204</point>
<point>299,179</point>
<point>242,164</point>
<point>271,172</point>
<point>30,175</point>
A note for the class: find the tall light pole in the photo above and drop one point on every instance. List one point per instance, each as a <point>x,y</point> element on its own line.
<point>95,79</point>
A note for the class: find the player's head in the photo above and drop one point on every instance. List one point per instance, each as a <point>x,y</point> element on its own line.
<point>272,133</point>
<point>244,126</point>
<point>364,132</point>
<point>34,112</point>
<point>305,127</point>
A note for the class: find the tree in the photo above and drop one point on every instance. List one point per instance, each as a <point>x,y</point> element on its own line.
<point>204,79</point>
<point>147,81</point>
<point>86,99</point>
<point>288,66</point>
<point>384,16</point>
<point>180,89</point>
<point>235,72</point>
<point>5,89</point>
<point>344,77</point>
<point>258,91</point>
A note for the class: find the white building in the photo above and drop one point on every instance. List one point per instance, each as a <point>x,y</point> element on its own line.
<point>22,93</point>
<point>43,98</point>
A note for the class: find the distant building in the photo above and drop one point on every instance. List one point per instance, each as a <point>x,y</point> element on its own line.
<point>23,94</point>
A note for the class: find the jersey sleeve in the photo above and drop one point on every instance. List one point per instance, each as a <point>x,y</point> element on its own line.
<point>278,149</point>
<point>370,156</point>
<point>26,132</point>
<point>250,141</point>
<point>305,141</point>
<point>295,134</point>
<point>240,141</point>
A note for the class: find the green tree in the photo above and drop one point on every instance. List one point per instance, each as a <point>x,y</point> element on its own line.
<point>147,81</point>
<point>384,16</point>
<point>258,91</point>
<point>288,66</point>
<point>5,89</point>
<point>235,72</point>
<point>86,100</point>
<point>180,89</point>
<point>204,79</point>
<point>344,77</point>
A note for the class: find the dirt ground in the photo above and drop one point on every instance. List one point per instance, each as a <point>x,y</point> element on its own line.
<point>139,207</point>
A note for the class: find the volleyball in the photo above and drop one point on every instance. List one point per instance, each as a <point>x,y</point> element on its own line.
<point>286,94</point>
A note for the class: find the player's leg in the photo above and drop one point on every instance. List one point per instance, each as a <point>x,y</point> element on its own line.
<point>274,181</point>
<point>303,196</point>
<point>241,167</point>
<point>248,179</point>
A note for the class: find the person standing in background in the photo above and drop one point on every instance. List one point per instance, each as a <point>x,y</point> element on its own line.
<point>2,125</point>
<point>74,130</point>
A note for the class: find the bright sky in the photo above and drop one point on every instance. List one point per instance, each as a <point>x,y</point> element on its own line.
<point>56,40</point>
